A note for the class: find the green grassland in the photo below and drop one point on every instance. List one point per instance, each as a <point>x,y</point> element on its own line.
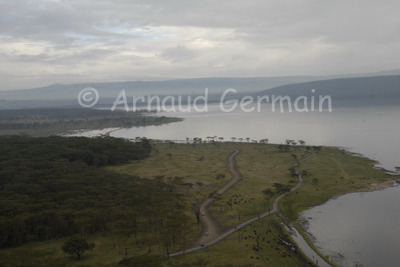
<point>336,172</point>
<point>240,249</point>
<point>195,172</point>
<point>259,244</point>
<point>260,166</point>
<point>192,167</point>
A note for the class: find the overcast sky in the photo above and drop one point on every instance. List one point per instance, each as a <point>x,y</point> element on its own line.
<point>46,42</point>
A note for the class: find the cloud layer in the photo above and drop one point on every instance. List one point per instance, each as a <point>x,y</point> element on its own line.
<point>44,42</point>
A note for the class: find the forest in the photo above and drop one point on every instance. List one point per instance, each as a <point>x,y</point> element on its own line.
<point>55,186</point>
<point>40,122</point>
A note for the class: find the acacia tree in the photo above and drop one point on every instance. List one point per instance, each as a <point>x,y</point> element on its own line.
<point>268,195</point>
<point>220,176</point>
<point>281,188</point>
<point>76,245</point>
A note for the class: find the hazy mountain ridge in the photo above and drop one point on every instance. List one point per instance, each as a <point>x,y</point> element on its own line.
<point>173,87</point>
<point>380,90</point>
<point>341,87</point>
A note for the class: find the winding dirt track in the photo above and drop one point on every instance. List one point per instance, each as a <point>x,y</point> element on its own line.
<point>211,226</point>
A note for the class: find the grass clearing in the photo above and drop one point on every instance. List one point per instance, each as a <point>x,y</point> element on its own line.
<point>331,172</point>
<point>196,167</point>
<point>259,244</point>
<point>260,166</point>
<point>50,254</point>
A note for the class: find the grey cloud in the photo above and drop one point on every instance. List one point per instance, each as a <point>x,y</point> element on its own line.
<point>278,37</point>
<point>179,53</point>
<point>274,19</point>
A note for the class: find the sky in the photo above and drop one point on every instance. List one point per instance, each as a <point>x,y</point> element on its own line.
<point>59,41</point>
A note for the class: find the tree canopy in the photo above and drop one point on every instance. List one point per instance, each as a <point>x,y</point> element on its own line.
<point>77,245</point>
<point>55,187</point>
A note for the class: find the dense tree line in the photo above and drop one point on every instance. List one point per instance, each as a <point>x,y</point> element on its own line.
<point>93,123</point>
<point>61,113</point>
<point>53,187</point>
<point>51,121</point>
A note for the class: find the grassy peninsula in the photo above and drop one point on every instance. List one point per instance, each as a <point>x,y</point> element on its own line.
<point>137,209</point>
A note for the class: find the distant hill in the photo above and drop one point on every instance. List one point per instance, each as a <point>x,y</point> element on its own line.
<point>181,86</point>
<point>65,95</point>
<point>380,90</point>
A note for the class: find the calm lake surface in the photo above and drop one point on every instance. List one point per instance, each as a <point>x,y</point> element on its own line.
<point>373,132</point>
<point>358,228</point>
<point>354,228</point>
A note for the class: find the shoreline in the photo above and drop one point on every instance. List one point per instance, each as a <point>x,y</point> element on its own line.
<point>303,222</point>
<point>304,227</point>
<point>356,154</point>
<point>377,187</point>
<point>91,133</point>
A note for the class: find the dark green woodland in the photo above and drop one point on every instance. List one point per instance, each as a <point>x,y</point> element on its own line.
<point>55,187</point>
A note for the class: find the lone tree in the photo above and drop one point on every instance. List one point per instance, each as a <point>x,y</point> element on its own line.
<point>76,245</point>
<point>302,142</point>
<point>220,176</point>
<point>281,188</point>
<point>268,195</point>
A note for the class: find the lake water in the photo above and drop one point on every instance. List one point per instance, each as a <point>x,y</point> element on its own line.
<point>372,132</point>
<point>358,228</point>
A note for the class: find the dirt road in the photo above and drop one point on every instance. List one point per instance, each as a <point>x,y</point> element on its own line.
<point>213,229</point>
